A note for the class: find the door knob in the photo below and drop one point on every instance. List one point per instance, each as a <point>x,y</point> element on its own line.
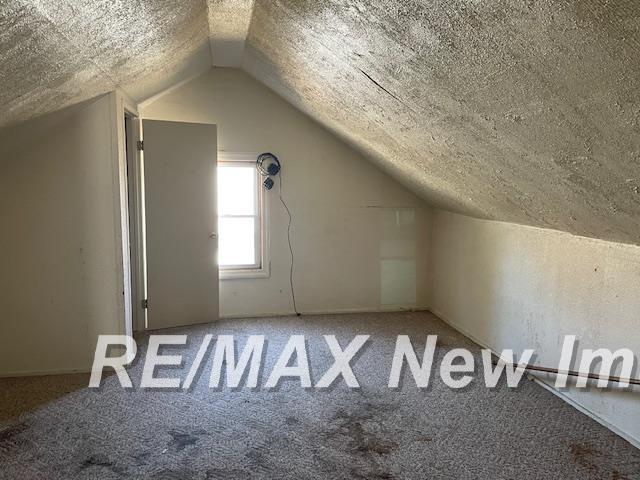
<point>213,235</point>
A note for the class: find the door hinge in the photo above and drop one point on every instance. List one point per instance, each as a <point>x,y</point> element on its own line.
<point>140,144</point>
<point>145,304</point>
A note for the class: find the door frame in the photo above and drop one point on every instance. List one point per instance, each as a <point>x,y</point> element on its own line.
<point>136,219</point>
<point>129,248</point>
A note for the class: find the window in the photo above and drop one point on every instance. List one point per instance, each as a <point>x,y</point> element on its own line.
<point>240,218</point>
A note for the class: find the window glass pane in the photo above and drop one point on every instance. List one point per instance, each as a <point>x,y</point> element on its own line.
<point>237,190</point>
<point>236,245</point>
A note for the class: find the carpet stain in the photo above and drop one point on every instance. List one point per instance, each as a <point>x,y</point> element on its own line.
<point>589,458</point>
<point>142,458</point>
<point>8,440</point>
<point>8,433</point>
<point>181,440</point>
<point>102,461</point>
<point>583,454</point>
<point>616,475</point>
<point>257,458</point>
<point>292,421</point>
<point>361,428</point>
<point>365,439</point>
<point>98,460</point>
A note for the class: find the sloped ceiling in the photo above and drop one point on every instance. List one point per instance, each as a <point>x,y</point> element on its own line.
<point>229,22</point>
<point>526,111</point>
<point>517,110</point>
<point>55,53</point>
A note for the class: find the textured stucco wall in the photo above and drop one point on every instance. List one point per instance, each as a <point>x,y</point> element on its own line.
<point>509,286</point>
<point>358,236</point>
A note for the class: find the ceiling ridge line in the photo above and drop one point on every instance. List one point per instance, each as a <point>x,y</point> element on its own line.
<point>210,36</point>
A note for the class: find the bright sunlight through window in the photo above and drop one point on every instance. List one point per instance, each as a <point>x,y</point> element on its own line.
<point>239,223</point>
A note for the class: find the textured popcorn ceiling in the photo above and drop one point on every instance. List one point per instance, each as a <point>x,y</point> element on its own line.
<point>229,22</point>
<point>517,110</point>
<point>56,53</point>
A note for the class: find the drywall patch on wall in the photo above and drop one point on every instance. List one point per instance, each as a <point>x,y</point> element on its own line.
<point>519,287</point>
<point>350,220</point>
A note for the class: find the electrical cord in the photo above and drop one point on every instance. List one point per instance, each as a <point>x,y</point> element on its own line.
<point>293,293</point>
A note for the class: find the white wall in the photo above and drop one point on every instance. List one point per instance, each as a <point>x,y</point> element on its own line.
<point>510,286</point>
<point>61,276</point>
<point>360,239</point>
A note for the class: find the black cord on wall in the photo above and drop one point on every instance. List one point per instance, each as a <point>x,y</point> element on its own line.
<point>293,293</point>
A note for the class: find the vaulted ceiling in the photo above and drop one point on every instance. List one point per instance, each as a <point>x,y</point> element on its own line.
<point>516,110</point>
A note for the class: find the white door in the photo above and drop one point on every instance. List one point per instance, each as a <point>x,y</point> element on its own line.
<point>180,191</point>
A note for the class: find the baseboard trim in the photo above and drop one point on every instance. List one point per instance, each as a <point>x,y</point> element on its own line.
<point>632,440</point>
<point>629,438</point>
<point>327,312</point>
<point>40,373</point>
<point>391,309</point>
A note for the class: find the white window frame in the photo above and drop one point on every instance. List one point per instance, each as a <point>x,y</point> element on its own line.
<point>263,267</point>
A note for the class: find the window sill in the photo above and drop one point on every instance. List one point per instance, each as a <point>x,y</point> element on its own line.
<point>244,274</point>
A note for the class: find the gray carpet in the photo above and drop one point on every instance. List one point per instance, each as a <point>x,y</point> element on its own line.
<point>292,433</point>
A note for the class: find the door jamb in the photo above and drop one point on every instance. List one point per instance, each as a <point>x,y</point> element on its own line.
<point>135,185</point>
<point>128,256</point>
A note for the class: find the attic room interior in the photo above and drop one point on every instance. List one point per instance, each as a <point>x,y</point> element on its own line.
<point>330,239</point>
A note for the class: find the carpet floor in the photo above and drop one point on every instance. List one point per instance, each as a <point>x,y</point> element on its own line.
<point>293,433</point>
